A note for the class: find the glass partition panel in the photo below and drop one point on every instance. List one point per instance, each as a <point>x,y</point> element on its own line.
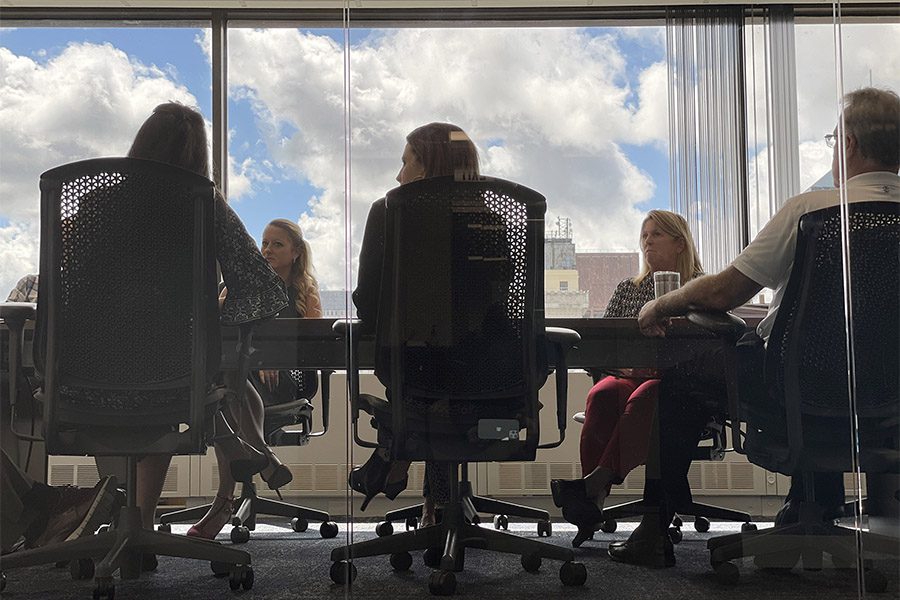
<point>71,93</point>
<point>286,154</point>
<point>578,114</point>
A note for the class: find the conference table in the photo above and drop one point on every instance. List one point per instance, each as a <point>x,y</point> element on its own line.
<point>605,343</point>
<point>312,344</point>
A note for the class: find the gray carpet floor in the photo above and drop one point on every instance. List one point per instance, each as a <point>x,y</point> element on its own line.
<point>296,565</point>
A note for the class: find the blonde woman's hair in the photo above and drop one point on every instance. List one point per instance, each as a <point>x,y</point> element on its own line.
<point>301,278</point>
<point>688,262</point>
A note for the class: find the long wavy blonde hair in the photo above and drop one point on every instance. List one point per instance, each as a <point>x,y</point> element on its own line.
<point>688,262</point>
<point>301,277</point>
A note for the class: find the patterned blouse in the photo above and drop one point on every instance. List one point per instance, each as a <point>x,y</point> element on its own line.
<point>628,299</point>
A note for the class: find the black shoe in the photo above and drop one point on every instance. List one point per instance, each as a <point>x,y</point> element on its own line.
<point>149,562</point>
<point>371,479</point>
<point>577,508</point>
<point>566,489</point>
<point>656,551</point>
<point>789,513</point>
<point>584,534</point>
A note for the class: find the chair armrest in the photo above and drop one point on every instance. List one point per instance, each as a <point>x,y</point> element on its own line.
<point>346,327</point>
<point>723,324</point>
<point>563,338</point>
<point>350,330</point>
<point>729,328</point>
<point>560,341</point>
<point>14,315</point>
<point>18,312</point>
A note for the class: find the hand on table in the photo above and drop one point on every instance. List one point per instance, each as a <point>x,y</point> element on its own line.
<point>651,322</point>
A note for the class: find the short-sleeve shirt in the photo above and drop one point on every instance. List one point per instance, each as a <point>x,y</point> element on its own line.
<point>768,259</point>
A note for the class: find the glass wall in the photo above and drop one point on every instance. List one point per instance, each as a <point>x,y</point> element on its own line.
<point>71,93</point>
<point>593,113</point>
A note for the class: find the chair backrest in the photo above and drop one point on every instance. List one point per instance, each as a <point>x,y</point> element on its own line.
<point>806,353</point>
<point>127,314</point>
<point>461,328</point>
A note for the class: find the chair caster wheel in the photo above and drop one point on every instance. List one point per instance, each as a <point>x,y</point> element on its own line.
<point>241,577</point>
<point>531,562</point>
<point>240,535</point>
<point>432,557</point>
<point>81,568</point>
<point>876,582</point>
<point>572,573</point>
<point>328,530</point>
<point>401,561</point>
<point>609,526</point>
<point>544,528</point>
<point>676,521</point>
<point>745,527</point>
<point>384,529</point>
<point>675,535</point>
<point>476,520</point>
<point>164,528</point>
<point>442,583</point>
<point>299,524</point>
<point>220,569</point>
<point>105,589</point>
<point>501,522</point>
<point>701,524</point>
<point>412,523</point>
<point>343,572</point>
<point>727,573</point>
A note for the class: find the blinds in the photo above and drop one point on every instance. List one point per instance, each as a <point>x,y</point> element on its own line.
<point>707,156</point>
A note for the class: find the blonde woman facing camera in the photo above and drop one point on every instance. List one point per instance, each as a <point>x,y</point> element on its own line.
<point>289,255</point>
<point>619,410</point>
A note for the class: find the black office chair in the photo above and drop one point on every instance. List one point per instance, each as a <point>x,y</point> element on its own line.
<point>285,424</point>
<point>712,447</point>
<point>810,426</point>
<point>462,348</point>
<point>127,342</point>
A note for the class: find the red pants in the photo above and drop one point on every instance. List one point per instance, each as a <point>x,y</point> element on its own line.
<point>617,418</point>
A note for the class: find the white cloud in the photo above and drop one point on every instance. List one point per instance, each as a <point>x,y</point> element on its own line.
<point>88,101</point>
<point>547,107</point>
<point>18,253</point>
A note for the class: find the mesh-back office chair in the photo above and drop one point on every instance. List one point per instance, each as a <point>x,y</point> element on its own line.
<point>712,447</point>
<point>285,424</point>
<point>128,341</point>
<point>461,346</point>
<point>809,426</point>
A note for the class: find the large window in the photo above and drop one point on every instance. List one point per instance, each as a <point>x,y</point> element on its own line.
<point>74,93</point>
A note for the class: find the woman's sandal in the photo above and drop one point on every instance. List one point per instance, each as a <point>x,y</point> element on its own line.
<point>217,517</point>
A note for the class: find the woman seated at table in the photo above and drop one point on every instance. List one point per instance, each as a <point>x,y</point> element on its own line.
<point>176,134</point>
<point>433,150</point>
<point>290,257</point>
<point>619,408</point>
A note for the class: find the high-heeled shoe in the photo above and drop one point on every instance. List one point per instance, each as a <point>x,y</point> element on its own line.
<point>217,517</point>
<point>276,474</point>
<point>577,508</point>
<point>246,461</point>
<point>371,479</point>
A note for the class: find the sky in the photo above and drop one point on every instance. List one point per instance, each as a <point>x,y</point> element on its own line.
<point>577,114</point>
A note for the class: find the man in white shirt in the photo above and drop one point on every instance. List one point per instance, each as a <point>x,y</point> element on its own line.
<point>870,139</point>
